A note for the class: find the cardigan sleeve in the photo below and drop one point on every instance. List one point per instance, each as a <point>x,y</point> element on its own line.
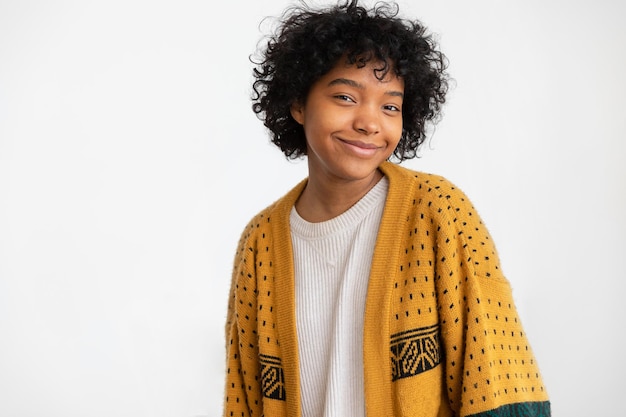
<point>242,390</point>
<point>490,368</point>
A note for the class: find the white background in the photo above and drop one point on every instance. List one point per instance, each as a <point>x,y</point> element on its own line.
<point>130,161</point>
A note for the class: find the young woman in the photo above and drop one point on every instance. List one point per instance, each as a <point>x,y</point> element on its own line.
<point>368,289</point>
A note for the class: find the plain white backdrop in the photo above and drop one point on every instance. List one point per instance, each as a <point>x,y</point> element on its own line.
<point>130,161</point>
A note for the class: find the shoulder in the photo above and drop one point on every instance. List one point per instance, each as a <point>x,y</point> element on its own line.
<point>437,206</point>
<point>443,210</point>
<point>426,189</point>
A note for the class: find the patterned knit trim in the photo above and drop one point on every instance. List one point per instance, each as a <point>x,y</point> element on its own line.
<point>272,377</point>
<point>529,409</point>
<point>415,351</point>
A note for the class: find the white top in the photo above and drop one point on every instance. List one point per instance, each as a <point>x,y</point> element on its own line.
<point>332,262</point>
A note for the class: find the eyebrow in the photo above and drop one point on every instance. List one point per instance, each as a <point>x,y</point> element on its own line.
<point>352,83</point>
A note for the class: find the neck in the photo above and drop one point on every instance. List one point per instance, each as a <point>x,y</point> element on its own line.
<point>324,200</point>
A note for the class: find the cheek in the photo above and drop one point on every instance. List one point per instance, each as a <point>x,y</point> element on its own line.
<point>395,131</point>
<point>325,124</point>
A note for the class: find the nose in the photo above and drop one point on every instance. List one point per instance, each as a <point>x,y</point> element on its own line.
<point>367,120</point>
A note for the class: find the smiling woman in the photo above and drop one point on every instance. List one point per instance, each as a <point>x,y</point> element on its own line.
<point>368,289</point>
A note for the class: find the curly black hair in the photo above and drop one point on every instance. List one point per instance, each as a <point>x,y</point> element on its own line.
<point>309,43</point>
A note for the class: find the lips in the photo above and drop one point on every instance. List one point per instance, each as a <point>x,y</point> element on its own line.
<point>360,149</point>
<point>360,144</point>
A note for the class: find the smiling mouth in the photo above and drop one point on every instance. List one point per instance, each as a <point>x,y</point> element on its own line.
<point>360,149</point>
<point>359,144</point>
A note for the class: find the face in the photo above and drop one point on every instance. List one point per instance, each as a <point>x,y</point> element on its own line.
<point>352,122</point>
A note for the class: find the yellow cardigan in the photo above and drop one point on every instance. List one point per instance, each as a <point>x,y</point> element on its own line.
<point>441,338</point>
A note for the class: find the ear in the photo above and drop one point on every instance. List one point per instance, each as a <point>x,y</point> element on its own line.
<point>297,112</point>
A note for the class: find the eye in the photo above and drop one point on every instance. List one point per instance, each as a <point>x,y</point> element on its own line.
<point>344,97</point>
<point>392,108</point>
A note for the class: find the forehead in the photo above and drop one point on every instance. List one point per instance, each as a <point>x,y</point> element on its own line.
<point>372,73</point>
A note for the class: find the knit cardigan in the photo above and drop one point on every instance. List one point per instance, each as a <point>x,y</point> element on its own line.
<point>442,336</point>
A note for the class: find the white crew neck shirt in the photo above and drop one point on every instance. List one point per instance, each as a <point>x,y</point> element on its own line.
<point>332,261</point>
